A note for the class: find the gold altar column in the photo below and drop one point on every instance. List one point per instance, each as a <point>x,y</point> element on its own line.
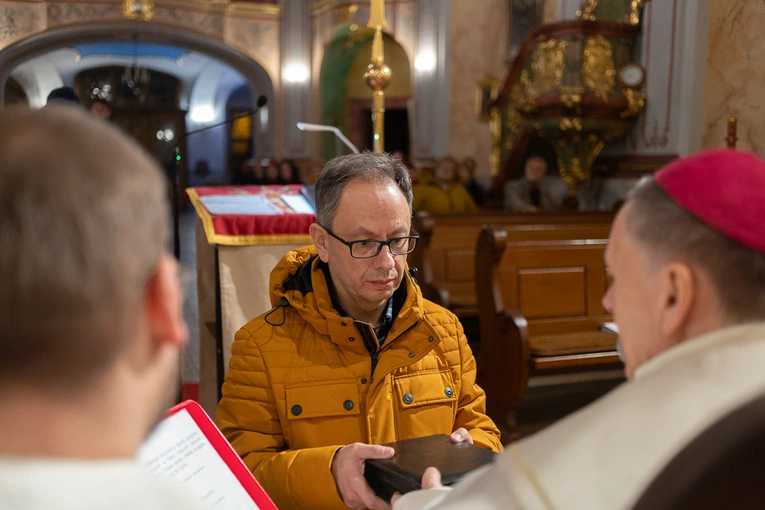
<point>378,73</point>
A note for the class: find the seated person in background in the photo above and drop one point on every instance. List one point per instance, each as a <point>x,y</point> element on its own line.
<point>271,173</point>
<point>287,172</point>
<point>535,191</point>
<point>100,108</point>
<point>90,315</point>
<point>467,178</point>
<point>687,256</point>
<point>444,194</point>
<point>351,355</point>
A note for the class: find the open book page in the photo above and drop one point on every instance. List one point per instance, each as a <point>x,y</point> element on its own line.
<point>298,204</point>
<point>179,450</point>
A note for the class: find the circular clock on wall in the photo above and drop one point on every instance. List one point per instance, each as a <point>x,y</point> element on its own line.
<point>631,75</point>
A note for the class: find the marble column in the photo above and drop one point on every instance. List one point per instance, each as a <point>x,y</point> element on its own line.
<point>432,79</point>
<point>295,75</point>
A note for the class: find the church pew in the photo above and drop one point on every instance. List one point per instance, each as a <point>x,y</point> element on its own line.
<point>445,254</point>
<point>540,311</point>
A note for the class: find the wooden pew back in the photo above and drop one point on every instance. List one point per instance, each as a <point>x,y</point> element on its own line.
<point>539,309</point>
<point>445,254</point>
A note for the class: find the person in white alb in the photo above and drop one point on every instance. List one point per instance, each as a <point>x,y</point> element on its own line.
<point>90,315</point>
<point>687,256</point>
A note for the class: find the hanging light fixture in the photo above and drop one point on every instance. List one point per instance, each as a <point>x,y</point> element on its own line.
<point>138,9</point>
<point>135,77</point>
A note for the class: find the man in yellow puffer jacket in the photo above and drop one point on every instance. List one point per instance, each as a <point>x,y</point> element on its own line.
<point>351,355</point>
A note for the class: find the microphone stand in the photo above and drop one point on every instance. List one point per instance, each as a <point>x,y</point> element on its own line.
<point>177,172</point>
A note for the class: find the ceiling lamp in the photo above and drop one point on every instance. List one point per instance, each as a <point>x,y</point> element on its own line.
<point>136,78</point>
<point>138,9</point>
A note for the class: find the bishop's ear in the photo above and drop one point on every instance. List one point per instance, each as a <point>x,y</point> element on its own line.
<point>320,238</point>
<point>678,296</point>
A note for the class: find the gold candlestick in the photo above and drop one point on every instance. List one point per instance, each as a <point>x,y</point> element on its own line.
<point>378,74</point>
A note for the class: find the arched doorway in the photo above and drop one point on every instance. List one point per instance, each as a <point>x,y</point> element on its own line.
<point>158,33</point>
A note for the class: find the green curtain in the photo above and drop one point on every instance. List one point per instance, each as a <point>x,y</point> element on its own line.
<point>338,58</point>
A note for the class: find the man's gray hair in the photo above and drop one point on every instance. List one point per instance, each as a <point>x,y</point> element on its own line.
<point>367,166</point>
<point>83,225</point>
<point>672,233</point>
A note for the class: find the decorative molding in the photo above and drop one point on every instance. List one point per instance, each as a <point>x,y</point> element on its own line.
<point>210,24</point>
<point>61,13</point>
<point>17,21</point>
<point>249,8</point>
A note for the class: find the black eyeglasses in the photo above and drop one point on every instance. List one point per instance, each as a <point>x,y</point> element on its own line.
<point>368,248</point>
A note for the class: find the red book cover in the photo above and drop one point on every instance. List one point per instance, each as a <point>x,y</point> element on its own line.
<point>188,448</point>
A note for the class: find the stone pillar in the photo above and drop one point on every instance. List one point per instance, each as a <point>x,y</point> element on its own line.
<point>295,75</point>
<point>431,79</point>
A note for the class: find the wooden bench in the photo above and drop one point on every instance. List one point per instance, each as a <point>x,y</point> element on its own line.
<point>540,311</point>
<point>445,254</point>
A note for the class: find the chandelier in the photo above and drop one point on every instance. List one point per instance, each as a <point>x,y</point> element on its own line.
<point>135,77</point>
<point>138,9</point>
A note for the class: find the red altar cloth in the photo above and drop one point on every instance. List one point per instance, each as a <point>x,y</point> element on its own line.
<point>284,227</point>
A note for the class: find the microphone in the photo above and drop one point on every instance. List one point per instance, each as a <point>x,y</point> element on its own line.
<point>260,103</point>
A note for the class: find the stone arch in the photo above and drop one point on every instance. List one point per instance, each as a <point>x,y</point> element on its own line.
<point>257,77</point>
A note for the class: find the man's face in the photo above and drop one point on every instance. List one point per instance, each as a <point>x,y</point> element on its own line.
<point>367,211</point>
<point>101,111</point>
<point>634,297</point>
<point>535,169</point>
<point>445,171</point>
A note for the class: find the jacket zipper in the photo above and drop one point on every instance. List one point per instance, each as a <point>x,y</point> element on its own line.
<point>370,342</point>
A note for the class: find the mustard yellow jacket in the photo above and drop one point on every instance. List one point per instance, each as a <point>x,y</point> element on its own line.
<point>431,197</point>
<point>301,384</point>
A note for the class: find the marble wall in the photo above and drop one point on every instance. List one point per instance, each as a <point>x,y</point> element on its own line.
<point>478,50</point>
<point>735,74</point>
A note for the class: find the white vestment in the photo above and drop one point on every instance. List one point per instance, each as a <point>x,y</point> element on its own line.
<point>50,484</point>
<point>605,455</point>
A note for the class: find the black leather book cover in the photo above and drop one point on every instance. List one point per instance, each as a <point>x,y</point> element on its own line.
<point>403,472</point>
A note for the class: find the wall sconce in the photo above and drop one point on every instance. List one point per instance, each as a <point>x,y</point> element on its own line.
<point>425,62</point>
<point>296,73</point>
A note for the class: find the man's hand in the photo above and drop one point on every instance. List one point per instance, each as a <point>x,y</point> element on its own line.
<point>431,479</point>
<point>461,435</point>
<point>348,470</point>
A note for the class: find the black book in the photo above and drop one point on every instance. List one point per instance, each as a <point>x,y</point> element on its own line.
<point>403,472</point>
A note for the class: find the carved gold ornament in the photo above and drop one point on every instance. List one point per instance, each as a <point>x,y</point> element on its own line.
<point>635,7</point>
<point>571,97</point>
<point>587,10</point>
<point>548,64</point>
<point>138,9</point>
<point>598,71</point>
<point>635,103</point>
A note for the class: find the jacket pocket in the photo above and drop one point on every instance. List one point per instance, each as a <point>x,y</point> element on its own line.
<point>323,414</point>
<point>426,404</point>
